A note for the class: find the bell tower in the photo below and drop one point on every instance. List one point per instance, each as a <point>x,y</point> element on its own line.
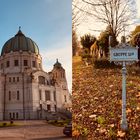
<point>59,75</point>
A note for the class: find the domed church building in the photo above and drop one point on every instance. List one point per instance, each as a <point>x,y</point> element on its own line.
<point>26,90</point>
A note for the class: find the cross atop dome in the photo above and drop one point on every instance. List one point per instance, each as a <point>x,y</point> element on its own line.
<point>57,64</point>
<point>19,27</point>
<point>19,33</point>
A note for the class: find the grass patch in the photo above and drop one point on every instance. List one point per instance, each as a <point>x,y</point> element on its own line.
<point>100,120</point>
<point>60,123</point>
<point>112,114</point>
<point>130,84</point>
<point>112,134</point>
<point>6,124</point>
<point>81,130</point>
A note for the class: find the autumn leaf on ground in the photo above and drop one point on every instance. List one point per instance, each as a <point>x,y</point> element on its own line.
<point>121,134</point>
<point>97,102</point>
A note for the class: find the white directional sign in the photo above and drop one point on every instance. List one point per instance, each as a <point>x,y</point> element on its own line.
<point>124,53</point>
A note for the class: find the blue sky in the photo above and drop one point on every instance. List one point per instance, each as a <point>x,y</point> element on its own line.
<point>47,22</point>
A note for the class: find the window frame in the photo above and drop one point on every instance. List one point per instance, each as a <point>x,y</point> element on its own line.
<point>34,64</point>
<point>10,96</point>
<point>47,95</point>
<point>7,64</point>
<point>18,97</point>
<point>54,95</point>
<point>25,62</point>
<point>16,62</point>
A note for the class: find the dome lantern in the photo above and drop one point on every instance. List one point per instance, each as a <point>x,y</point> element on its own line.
<point>57,64</point>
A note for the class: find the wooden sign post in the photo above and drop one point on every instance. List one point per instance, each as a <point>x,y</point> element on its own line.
<point>124,54</point>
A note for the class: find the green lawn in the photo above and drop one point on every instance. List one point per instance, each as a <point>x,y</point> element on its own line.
<point>60,123</point>
<point>8,124</point>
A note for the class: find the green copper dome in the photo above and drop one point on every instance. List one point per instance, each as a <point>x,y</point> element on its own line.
<point>20,43</point>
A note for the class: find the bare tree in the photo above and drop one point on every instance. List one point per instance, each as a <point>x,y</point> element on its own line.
<point>78,15</point>
<point>80,11</point>
<point>114,13</point>
<point>74,43</point>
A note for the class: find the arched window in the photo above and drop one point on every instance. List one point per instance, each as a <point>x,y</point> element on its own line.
<point>25,62</point>
<point>17,79</point>
<point>47,95</point>
<point>41,80</point>
<point>16,115</point>
<point>10,116</point>
<point>18,95</point>
<point>16,62</point>
<point>7,64</point>
<point>54,95</point>
<point>40,96</point>
<point>48,82</point>
<point>13,115</point>
<point>9,95</point>
<point>48,107</point>
<point>9,79</point>
<point>34,64</point>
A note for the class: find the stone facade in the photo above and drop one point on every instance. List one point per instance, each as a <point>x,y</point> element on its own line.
<point>26,90</point>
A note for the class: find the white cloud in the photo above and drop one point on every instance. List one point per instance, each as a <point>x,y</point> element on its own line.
<point>64,55</point>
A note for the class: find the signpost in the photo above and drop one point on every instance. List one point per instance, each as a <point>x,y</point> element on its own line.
<point>123,54</point>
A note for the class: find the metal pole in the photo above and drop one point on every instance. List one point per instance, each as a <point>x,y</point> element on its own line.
<point>124,124</point>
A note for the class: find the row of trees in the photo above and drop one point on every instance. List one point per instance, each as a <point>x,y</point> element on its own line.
<point>88,41</point>
<point>103,40</point>
<point>115,14</point>
<point>135,36</point>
